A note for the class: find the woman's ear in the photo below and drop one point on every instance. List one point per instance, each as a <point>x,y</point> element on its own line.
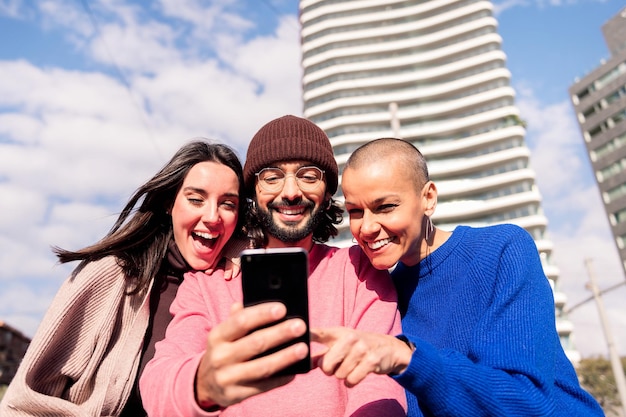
<point>429,194</point>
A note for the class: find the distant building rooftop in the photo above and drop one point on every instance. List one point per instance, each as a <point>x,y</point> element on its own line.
<point>13,345</point>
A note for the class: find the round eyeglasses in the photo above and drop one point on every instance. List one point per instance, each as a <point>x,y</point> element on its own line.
<point>273,179</point>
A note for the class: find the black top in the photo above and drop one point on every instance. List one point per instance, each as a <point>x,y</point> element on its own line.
<point>163,292</point>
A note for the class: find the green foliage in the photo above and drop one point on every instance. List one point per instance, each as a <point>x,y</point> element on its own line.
<point>515,120</point>
<point>596,376</point>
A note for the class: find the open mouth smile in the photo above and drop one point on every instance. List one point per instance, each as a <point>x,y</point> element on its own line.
<point>208,238</point>
<point>379,243</point>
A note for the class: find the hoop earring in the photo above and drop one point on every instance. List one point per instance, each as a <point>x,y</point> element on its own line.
<point>429,229</point>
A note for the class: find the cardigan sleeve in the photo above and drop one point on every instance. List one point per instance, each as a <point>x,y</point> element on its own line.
<point>58,374</point>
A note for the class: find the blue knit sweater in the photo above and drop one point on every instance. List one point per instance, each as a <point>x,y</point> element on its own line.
<point>480,312</point>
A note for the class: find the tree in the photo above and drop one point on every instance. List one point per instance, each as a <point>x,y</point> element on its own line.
<point>596,376</point>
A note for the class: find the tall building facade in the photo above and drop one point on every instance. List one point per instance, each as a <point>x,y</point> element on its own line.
<point>599,100</point>
<point>433,73</point>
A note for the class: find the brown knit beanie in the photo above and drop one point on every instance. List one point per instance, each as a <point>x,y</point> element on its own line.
<point>290,138</point>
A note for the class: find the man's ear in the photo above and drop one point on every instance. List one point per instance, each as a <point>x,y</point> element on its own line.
<point>429,194</point>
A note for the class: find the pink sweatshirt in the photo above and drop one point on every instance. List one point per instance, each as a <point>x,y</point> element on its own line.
<point>344,290</point>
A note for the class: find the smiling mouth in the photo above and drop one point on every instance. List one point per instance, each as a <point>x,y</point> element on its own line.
<point>379,243</point>
<point>206,236</point>
<point>290,211</point>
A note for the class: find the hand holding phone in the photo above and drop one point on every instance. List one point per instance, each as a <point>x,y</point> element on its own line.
<point>279,274</point>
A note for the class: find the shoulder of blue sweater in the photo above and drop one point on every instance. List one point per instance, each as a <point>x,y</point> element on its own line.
<point>494,238</point>
<point>504,230</point>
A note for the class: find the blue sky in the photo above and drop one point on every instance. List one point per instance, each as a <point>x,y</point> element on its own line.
<point>95,96</point>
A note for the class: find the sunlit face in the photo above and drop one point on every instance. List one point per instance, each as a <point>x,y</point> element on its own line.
<point>204,214</point>
<point>385,213</point>
<point>289,214</point>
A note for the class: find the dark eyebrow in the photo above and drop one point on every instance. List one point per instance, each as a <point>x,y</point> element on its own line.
<point>195,190</point>
<point>204,193</point>
<point>376,201</point>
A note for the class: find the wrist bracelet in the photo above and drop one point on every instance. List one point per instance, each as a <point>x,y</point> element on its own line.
<point>406,341</point>
<point>411,346</point>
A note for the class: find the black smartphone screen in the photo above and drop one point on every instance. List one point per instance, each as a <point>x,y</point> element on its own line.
<point>279,274</point>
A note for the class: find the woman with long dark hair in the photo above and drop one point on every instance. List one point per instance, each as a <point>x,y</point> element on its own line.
<point>103,323</point>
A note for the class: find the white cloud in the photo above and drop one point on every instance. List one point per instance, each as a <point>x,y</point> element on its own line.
<point>19,206</point>
<point>135,47</point>
<point>555,140</point>
<point>589,336</point>
<point>219,16</point>
<point>578,224</point>
<point>11,8</point>
<point>74,144</point>
<point>272,61</point>
<point>21,305</point>
<point>501,6</point>
<point>48,92</point>
<point>19,128</point>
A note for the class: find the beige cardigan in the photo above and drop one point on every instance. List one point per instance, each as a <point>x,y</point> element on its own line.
<point>84,357</point>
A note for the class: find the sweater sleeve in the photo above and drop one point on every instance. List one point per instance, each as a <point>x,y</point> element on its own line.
<point>167,384</point>
<point>373,307</point>
<point>59,374</point>
<point>509,367</point>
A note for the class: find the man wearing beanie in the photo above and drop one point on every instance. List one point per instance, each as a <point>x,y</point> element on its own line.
<point>208,364</point>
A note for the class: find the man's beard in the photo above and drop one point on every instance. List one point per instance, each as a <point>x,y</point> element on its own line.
<point>286,233</point>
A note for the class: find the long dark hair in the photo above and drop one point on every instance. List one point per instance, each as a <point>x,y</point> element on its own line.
<point>140,237</point>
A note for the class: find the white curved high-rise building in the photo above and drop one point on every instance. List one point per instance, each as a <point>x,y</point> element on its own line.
<point>433,73</point>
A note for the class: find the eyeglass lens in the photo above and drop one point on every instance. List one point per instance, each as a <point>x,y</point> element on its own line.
<point>307,178</point>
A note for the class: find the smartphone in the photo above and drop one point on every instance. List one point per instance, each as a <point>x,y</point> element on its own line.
<point>279,274</point>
